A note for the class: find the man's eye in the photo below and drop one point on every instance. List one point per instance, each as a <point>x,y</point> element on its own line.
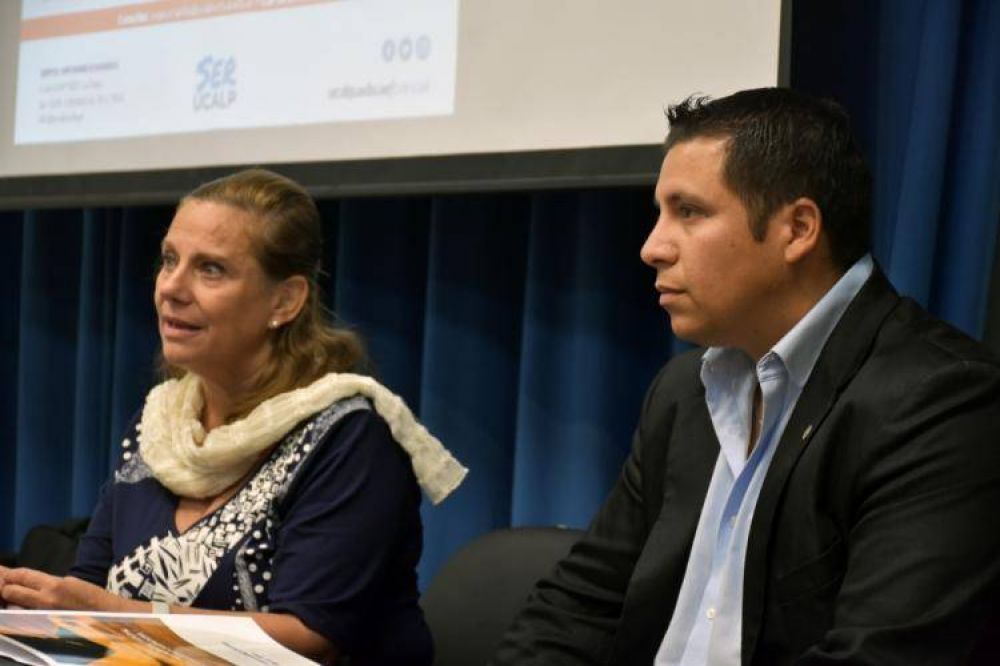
<point>686,211</point>
<point>167,261</point>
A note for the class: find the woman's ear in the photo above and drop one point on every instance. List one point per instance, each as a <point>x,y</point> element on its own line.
<point>290,297</point>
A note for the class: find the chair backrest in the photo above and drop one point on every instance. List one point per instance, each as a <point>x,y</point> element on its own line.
<point>52,548</point>
<point>475,595</point>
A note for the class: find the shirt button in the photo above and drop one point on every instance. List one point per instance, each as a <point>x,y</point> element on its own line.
<point>710,613</point>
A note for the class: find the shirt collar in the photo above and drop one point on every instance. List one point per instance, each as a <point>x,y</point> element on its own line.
<point>800,347</point>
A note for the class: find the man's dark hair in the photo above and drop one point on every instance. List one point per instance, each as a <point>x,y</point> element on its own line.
<point>783,145</point>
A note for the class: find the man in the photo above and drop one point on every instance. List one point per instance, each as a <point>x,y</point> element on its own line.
<point>819,485</point>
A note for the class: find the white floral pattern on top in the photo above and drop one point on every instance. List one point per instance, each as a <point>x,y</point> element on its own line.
<point>174,568</point>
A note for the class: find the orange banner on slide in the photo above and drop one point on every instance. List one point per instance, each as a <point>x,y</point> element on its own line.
<point>145,14</point>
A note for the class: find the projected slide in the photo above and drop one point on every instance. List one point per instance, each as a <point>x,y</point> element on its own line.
<point>96,69</point>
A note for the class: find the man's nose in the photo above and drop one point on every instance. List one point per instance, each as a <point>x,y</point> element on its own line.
<point>659,247</point>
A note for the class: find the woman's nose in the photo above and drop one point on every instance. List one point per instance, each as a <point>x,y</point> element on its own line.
<point>172,283</point>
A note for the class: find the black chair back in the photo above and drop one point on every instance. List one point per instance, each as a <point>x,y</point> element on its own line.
<point>474,597</point>
<point>49,548</point>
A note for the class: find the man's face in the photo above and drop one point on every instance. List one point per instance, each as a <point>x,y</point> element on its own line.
<point>716,282</point>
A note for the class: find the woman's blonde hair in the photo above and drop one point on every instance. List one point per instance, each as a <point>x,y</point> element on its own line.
<point>286,240</point>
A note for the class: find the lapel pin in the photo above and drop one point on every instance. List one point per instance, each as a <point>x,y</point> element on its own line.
<point>807,432</point>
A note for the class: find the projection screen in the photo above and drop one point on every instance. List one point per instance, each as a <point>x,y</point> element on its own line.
<point>128,101</point>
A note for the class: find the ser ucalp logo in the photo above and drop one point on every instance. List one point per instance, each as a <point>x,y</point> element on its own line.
<point>216,86</point>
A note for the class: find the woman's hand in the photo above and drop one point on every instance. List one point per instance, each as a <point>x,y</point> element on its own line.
<point>28,588</point>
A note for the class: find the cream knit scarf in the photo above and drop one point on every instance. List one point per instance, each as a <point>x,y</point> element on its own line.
<point>191,463</point>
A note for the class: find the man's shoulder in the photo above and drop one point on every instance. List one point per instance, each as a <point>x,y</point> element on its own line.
<point>913,339</point>
<point>915,356</point>
<point>890,340</point>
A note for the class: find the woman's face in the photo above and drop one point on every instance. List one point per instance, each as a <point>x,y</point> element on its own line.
<point>212,297</point>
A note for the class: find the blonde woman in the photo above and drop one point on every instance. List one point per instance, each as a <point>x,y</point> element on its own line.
<point>264,477</point>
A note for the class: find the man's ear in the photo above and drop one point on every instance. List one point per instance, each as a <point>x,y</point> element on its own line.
<point>803,227</point>
<point>290,297</point>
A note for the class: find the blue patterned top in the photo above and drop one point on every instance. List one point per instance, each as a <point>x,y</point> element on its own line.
<point>328,529</point>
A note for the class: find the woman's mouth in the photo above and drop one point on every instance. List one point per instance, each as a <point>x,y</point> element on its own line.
<point>173,327</point>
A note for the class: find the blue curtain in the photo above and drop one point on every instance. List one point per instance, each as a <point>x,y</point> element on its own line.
<point>521,327</point>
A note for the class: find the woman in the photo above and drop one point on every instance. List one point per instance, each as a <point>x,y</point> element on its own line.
<point>263,478</point>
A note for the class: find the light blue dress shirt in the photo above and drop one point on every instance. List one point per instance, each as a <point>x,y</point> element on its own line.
<point>706,628</point>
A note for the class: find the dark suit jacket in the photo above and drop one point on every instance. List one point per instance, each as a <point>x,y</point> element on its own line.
<point>875,537</point>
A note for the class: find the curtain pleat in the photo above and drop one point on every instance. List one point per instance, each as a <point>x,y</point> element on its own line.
<point>971,205</point>
<point>469,373</point>
<point>593,337</point>
<point>381,281</point>
<point>94,363</point>
<point>46,373</point>
<point>136,340</point>
<point>918,70</point>
<point>11,226</point>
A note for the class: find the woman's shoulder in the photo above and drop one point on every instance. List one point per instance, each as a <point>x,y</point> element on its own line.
<point>346,423</point>
<point>337,447</point>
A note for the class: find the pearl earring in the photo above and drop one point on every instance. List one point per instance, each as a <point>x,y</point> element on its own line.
<point>273,324</point>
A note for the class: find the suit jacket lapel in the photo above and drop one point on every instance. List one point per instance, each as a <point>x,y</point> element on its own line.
<point>656,580</point>
<point>840,360</point>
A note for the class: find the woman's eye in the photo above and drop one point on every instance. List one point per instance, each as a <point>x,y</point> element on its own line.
<point>212,269</point>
